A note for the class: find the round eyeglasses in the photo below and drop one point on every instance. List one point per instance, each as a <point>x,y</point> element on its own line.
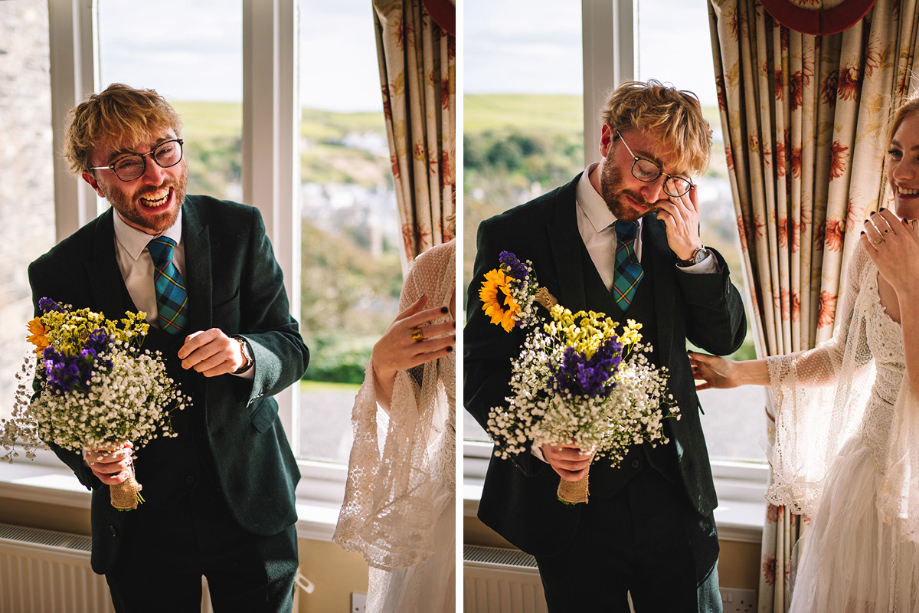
<point>133,165</point>
<point>646,171</point>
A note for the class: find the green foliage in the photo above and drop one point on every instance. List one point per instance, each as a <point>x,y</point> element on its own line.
<point>348,299</point>
<point>339,358</point>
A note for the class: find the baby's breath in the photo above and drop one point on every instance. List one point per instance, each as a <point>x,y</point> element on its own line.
<point>577,380</point>
<point>114,394</point>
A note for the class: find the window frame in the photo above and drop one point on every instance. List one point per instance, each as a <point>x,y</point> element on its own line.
<point>270,176</point>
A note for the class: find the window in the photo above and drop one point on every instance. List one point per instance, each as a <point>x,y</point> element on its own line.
<point>191,54</point>
<point>539,59</point>
<point>27,220</point>
<point>523,119</point>
<point>734,419</point>
<point>351,273</point>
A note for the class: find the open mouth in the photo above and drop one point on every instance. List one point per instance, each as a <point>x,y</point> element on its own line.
<point>907,192</point>
<point>158,199</point>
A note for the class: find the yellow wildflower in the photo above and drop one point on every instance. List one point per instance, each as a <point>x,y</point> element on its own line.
<point>37,337</point>
<point>495,284</point>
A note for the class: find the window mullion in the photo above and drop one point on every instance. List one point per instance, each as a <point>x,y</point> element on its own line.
<point>74,59</point>
<point>270,128</point>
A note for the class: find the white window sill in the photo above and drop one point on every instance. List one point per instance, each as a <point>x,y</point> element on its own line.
<point>57,485</point>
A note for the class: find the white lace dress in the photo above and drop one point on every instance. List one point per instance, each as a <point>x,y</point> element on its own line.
<point>399,507</point>
<point>845,454</point>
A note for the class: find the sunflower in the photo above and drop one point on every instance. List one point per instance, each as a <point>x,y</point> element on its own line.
<point>496,281</point>
<point>38,337</point>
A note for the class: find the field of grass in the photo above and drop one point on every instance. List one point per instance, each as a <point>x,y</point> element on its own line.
<point>216,119</point>
<point>554,113</point>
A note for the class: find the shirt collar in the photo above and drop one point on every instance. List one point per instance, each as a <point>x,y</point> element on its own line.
<point>592,203</point>
<point>134,241</point>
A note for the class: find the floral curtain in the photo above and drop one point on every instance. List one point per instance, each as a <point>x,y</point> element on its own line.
<point>804,120</point>
<point>418,79</point>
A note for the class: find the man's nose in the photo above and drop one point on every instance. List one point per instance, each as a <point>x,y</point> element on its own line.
<point>153,173</point>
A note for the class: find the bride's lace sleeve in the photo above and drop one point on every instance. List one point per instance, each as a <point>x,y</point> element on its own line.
<point>819,397</point>
<point>388,512</point>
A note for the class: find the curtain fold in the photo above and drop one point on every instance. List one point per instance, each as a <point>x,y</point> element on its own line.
<point>804,120</point>
<point>418,80</point>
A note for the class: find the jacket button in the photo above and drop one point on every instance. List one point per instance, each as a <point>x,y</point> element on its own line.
<point>112,530</point>
<point>636,463</point>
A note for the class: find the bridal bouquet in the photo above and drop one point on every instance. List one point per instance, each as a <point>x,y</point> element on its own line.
<point>576,381</point>
<point>91,387</point>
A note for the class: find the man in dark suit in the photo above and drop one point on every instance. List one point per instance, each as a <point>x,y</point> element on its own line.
<point>220,496</point>
<point>648,528</point>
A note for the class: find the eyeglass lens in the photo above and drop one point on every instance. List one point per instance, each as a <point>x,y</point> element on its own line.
<point>646,170</point>
<point>133,166</point>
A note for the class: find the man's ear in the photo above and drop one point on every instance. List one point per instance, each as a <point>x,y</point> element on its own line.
<point>606,139</point>
<point>89,178</point>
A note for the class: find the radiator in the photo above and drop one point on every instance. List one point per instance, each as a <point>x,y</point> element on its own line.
<point>499,580</point>
<point>42,571</point>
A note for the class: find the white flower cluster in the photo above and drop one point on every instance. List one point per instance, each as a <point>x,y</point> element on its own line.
<point>631,414</point>
<point>131,401</point>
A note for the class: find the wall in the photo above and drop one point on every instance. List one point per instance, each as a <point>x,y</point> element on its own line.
<point>335,572</point>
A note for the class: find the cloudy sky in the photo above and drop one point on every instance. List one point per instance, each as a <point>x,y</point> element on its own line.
<point>192,49</point>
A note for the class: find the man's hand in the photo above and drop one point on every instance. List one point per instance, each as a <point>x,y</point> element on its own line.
<point>681,217</point>
<point>567,460</point>
<point>111,466</point>
<point>211,353</point>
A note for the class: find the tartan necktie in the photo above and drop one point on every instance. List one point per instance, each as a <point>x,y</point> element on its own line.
<point>171,297</point>
<point>628,270</point>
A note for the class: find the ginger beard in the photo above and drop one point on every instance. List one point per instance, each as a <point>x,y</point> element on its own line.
<point>617,197</point>
<point>142,216</point>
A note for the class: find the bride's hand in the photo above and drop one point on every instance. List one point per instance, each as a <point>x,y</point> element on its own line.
<point>894,247</point>
<point>714,372</point>
<point>411,341</point>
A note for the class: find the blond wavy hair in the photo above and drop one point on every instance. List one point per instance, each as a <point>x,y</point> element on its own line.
<point>910,107</point>
<point>118,114</point>
<point>674,116</point>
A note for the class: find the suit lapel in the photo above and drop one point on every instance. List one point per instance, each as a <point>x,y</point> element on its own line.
<point>105,280</point>
<point>197,268</point>
<point>655,250</point>
<point>565,246</point>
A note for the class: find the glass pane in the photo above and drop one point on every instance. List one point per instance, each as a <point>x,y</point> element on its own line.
<point>734,420</point>
<point>26,175</point>
<point>191,54</point>
<point>351,270</point>
<point>523,118</point>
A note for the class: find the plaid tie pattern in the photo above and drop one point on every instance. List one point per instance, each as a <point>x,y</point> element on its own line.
<point>628,270</point>
<point>171,297</point>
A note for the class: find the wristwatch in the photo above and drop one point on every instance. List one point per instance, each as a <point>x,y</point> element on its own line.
<point>247,355</point>
<point>697,257</point>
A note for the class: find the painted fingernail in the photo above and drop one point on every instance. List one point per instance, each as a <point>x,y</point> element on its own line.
<point>882,209</point>
<point>444,310</point>
<point>454,324</point>
<point>863,231</point>
<point>449,349</point>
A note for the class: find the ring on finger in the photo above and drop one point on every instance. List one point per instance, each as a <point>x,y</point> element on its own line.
<point>878,241</point>
<point>417,335</point>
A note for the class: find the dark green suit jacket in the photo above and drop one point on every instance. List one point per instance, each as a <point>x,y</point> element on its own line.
<point>234,284</point>
<point>519,496</point>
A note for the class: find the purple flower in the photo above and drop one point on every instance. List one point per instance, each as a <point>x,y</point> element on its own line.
<point>580,376</point>
<point>47,305</point>
<point>512,265</point>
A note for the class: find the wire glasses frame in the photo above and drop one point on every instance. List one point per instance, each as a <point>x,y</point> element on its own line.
<point>133,165</point>
<point>646,170</point>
